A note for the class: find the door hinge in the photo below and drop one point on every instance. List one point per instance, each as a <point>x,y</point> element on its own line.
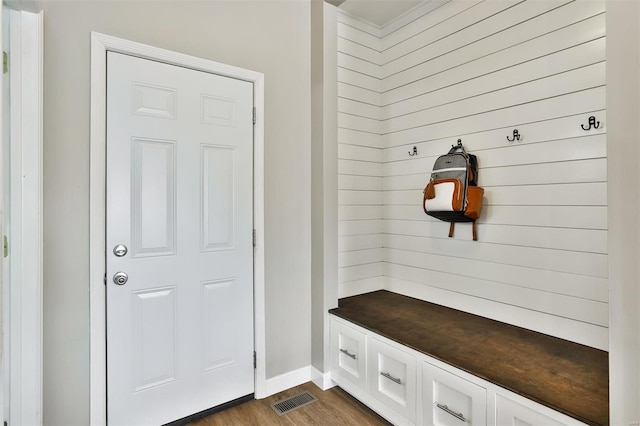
<point>254,115</point>
<point>5,62</point>
<point>254,237</point>
<point>6,246</point>
<point>105,279</point>
<point>255,363</point>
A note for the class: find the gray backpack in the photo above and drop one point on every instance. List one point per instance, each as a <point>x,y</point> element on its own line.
<point>452,193</point>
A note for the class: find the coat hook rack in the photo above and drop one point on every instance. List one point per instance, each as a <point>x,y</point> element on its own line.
<point>414,151</point>
<point>459,143</point>
<point>516,136</point>
<point>593,124</point>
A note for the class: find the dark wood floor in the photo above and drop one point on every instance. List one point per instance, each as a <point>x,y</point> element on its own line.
<point>333,407</point>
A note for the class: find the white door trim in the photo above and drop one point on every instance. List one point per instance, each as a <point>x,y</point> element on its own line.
<point>26,215</point>
<point>100,44</point>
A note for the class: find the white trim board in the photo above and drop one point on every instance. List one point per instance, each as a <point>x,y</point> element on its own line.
<point>287,380</point>
<point>322,380</point>
<point>100,44</point>
<point>26,218</point>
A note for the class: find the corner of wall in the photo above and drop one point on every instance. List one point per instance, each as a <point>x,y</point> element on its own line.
<point>623,107</point>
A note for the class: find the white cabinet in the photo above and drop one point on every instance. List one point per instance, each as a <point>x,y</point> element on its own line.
<point>408,387</point>
<point>392,378</point>
<point>449,400</point>
<point>348,354</point>
<point>357,363</point>
<point>515,410</point>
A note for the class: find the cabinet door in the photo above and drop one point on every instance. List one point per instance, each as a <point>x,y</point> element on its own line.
<point>392,378</point>
<point>510,412</point>
<point>450,400</point>
<point>348,354</point>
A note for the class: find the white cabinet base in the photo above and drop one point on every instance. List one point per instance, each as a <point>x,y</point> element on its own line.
<point>513,409</point>
<point>348,354</point>
<point>392,377</point>
<point>408,387</point>
<point>449,400</point>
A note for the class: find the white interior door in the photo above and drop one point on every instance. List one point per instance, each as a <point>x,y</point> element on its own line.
<point>179,197</point>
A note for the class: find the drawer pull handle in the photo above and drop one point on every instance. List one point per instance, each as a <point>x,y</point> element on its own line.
<point>448,410</point>
<point>390,377</point>
<point>346,352</point>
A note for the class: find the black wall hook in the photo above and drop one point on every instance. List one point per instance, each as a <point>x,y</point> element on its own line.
<point>516,136</point>
<point>414,151</point>
<point>459,143</point>
<point>593,124</point>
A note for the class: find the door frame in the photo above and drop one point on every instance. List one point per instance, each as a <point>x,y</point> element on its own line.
<point>100,44</point>
<point>24,328</point>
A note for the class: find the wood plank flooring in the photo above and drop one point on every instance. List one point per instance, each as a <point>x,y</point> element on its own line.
<point>333,407</point>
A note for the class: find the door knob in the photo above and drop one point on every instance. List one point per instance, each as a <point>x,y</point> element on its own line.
<point>120,278</point>
<point>120,250</point>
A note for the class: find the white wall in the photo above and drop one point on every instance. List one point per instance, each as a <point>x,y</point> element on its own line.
<point>477,70</point>
<point>623,106</point>
<point>265,36</point>
<point>324,180</point>
<point>359,158</point>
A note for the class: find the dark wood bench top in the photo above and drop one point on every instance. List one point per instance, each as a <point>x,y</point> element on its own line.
<point>568,377</point>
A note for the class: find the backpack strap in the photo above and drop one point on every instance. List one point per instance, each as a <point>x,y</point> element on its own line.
<point>474,230</point>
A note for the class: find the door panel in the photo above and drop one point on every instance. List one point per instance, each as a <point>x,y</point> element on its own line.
<point>154,188</point>
<point>179,196</point>
<point>154,347</point>
<point>220,347</point>
<point>218,197</point>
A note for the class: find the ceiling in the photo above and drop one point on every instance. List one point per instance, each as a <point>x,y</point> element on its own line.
<point>379,12</point>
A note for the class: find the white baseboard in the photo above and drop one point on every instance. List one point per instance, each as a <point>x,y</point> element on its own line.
<point>287,380</point>
<point>352,288</point>
<point>321,380</point>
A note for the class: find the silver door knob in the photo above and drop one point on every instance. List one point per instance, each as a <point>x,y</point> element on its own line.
<point>120,278</point>
<point>120,250</point>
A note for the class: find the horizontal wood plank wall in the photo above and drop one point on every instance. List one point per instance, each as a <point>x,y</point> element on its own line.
<point>477,70</point>
<point>360,178</point>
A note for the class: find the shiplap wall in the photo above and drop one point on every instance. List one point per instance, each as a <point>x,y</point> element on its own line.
<point>476,70</point>
<point>359,158</point>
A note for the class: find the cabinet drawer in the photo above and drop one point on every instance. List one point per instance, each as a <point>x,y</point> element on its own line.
<point>348,353</point>
<point>450,400</point>
<point>525,413</point>
<point>392,378</point>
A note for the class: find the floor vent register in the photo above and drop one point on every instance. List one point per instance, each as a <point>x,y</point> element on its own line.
<point>293,403</point>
